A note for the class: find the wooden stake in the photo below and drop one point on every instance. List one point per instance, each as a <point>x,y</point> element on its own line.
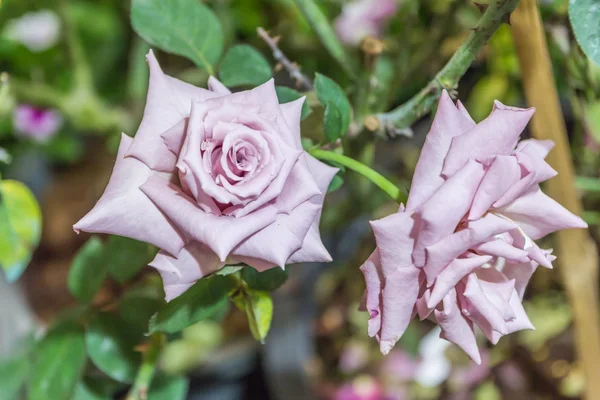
<point>577,252</point>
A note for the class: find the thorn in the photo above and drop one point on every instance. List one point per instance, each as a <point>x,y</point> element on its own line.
<point>507,19</point>
<point>476,29</point>
<point>278,67</point>
<point>481,7</point>
<point>276,39</point>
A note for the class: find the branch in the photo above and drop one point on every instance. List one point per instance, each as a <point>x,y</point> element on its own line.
<point>383,183</point>
<point>321,26</point>
<point>576,250</point>
<point>278,55</point>
<point>143,379</point>
<point>448,78</point>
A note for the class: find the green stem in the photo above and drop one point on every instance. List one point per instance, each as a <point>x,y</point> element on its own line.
<point>321,26</point>
<point>143,379</point>
<point>409,112</point>
<point>384,184</point>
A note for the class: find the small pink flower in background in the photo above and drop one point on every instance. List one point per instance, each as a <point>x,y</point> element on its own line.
<point>36,123</point>
<point>361,18</point>
<point>354,356</point>
<point>463,250</point>
<point>213,177</point>
<point>363,387</point>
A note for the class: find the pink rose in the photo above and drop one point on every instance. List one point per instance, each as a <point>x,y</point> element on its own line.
<point>36,123</point>
<point>361,18</point>
<point>213,177</point>
<point>463,250</point>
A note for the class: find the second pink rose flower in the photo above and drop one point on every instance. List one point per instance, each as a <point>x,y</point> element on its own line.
<point>463,250</point>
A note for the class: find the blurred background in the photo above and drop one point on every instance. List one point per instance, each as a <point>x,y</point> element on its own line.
<point>60,127</point>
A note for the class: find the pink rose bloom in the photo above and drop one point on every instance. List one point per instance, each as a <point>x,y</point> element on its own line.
<point>213,177</point>
<point>36,123</point>
<point>363,18</point>
<point>463,250</point>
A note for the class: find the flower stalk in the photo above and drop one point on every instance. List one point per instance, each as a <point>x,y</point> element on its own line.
<point>318,21</point>
<point>143,379</point>
<point>382,182</point>
<point>577,252</point>
<point>406,114</point>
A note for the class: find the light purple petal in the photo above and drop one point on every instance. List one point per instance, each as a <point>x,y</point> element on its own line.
<point>124,210</point>
<point>220,233</point>
<point>448,123</point>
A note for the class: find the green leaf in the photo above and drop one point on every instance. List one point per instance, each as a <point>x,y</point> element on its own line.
<point>59,361</point>
<point>20,227</point>
<point>267,281</point>
<point>184,27</point>
<point>585,20</point>
<point>165,387</point>
<point>88,270</point>
<point>244,65</point>
<point>336,182</point>
<point>110,345</point>
<point>330,94</point>
<point>13,374</point>
<point>229,269</point>
<point>258,306</point>
<point>137,310</point>
<point>332,123</point>
<point>126,257</point>
<point>199,302</point>
<point>286,94</point>
<point>96,388</point>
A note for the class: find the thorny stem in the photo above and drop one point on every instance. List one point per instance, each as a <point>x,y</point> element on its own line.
<point>143,379</point>
<point>448,78</point>
<point>292,68</point>
<point>383,183</point>
<point>318,21</point>
<point>577,252</point>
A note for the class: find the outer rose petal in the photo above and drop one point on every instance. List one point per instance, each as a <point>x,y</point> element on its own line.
<point>539,215</point>
<point>312,249</point>
<point>456,328</point>
<point>284,236</point>
<point>373,274</point>
<point>221,233</point>
<point>216,86</point>
<point>292,112</point>
<point>496,135</point>
<point>400,292</point>
<point>169,101</point>
<point>501,175</point>
<point>448,123</point>
<point>179,273</point>
<point>124,210</point>
<point>443,211</point>
<point>395,240</point>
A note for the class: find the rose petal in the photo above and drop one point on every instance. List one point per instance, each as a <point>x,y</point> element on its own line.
<point>451,275</point>
<point>501,175</point>
<point>399,295</point>
<point>395,240</point>
<point>220,233</point>
<point>456,328</point>
<point>373,275</point>
<point>179,273</point>
<point>215,85</point>
<point>448,123</point>
<point>284,236</point>
<point>169,101</point>
<point>443,211</point>
<point>124,210</point>
<point>496,135</point>
<point>538,215</point>
<point>292,112</point>
<point>443,252</point>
